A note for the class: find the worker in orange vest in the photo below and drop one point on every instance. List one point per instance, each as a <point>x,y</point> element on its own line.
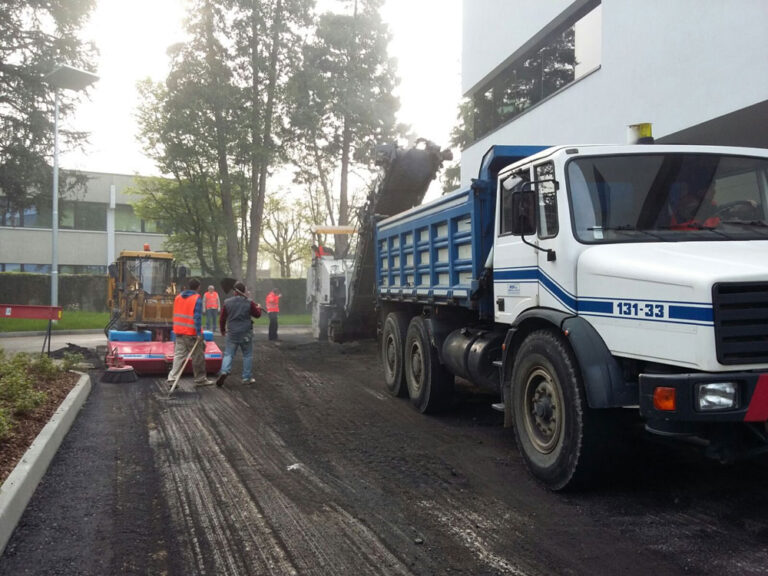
<point>188,329</point>
<point>273,309</point>
<point>212,308</point>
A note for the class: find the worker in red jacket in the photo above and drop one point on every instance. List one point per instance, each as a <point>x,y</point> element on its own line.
<point>273,309</point>
<point>212,308</point>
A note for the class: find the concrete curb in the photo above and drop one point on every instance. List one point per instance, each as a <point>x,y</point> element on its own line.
<point>18,488</point>
<point>53,333</point>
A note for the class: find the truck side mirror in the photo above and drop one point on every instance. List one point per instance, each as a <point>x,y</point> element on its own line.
<point>182,274</point>
<point>524,213</point>
<point>112,268</point>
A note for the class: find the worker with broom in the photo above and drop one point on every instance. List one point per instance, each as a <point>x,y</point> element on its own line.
<point>188,328</point>
<point>235,322</point>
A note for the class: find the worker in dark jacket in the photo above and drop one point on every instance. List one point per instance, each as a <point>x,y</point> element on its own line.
<point>235,323</point>
<point>188,330</point>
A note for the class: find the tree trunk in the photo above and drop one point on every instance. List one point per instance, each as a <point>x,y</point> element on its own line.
<point>323,181</point>
<point>263,159</point>
<point>234,256</point>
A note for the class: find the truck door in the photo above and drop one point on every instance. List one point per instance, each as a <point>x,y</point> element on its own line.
<point>553,280</point>
<point>515,264</point>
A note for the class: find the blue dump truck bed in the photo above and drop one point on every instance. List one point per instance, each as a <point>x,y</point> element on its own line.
<point>436,253</point>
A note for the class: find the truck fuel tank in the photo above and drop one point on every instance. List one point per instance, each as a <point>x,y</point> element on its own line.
<point>470,353</point>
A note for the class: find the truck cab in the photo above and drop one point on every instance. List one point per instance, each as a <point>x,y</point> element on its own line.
<point>647,268</point>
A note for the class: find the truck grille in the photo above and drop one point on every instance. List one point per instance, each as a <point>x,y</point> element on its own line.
<point>741,322</point>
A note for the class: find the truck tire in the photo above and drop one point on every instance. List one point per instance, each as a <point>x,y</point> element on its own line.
<point>393,352</point>
<point>430,385</point>
<point>554,428</point>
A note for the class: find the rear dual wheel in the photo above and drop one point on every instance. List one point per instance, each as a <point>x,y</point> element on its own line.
<point>430,385</point>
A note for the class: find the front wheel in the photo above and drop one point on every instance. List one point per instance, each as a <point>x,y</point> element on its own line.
<point>554,428</point>
<point>430,385</point>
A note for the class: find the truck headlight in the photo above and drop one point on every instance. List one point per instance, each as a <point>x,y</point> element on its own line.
<point>717,396</point>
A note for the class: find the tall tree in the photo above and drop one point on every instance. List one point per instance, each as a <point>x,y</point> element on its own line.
<point>36,36</point>
<point>461,137</point>
<point>343,101</point>
<point>286,232</point>
<point>190,125</point>
<point>265,39</point>
<point>189,212</point>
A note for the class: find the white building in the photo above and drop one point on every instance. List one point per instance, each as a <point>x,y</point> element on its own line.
<point>580,71</point>
<point>94,227</point>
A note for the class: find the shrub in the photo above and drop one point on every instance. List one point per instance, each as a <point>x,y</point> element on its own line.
<point>18,395</point>
<point>17,383</point>
<point>5,424</point>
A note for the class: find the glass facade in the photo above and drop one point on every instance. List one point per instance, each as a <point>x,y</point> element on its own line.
<point>76,215</point>
<point>565,55</point>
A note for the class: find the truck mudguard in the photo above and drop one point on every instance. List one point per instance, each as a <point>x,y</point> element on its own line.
<point>602,376</point>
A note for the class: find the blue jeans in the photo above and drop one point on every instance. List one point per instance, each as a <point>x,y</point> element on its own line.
<point>211,316</point>
<point>246,347</point>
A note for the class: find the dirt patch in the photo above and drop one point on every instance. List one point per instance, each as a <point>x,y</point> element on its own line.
<point>26,427</point>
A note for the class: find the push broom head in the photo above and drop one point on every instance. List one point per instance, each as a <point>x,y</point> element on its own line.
<point>119,374</point>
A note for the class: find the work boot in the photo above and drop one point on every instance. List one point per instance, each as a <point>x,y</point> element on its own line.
<point>205,382</point>
<point>221,378</point>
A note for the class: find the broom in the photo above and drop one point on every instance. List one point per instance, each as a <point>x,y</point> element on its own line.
<point>118,372</point>
<point>176,382</point>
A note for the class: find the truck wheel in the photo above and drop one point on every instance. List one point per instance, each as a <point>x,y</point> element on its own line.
<point>430,385</point>
<point>550,415</point>
<point>392,351</point>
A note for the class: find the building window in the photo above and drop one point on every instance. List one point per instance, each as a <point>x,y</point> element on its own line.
<point>564,56</point>
<point>32,268</point>
<point>75,215</point>
<point>126,220</point>
<point>36,216</point>
<point>83,269</point>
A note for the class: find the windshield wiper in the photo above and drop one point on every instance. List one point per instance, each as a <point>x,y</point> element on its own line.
<point>757,223</point>
<point>624,228</point>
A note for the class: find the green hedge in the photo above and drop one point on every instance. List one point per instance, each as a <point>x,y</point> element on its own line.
<point>89,293</point>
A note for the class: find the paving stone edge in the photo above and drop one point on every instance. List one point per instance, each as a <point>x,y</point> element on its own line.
<point>18,488</point>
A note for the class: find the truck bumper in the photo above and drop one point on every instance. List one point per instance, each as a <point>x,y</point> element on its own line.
<point>750,405</point>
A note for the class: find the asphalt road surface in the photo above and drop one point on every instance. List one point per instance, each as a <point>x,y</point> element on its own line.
<point>315,470</point>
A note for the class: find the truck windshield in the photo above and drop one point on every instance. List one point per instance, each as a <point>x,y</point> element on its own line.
<point>152,276</point>
<point>668,197</point>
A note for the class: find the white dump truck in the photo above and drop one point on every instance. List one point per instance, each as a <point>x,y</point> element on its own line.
<point>582,281</point>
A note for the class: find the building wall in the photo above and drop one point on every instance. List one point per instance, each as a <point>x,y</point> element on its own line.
<point>687,66</point>
<point>20,245</point>
<point>76,247</point>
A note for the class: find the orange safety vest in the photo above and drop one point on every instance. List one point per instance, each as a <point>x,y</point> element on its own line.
<point>273,302</point>
<point>211,300</point>
<point>184,315</point>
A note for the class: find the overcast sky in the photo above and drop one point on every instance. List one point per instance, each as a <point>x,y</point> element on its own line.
<point>133,36</point>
